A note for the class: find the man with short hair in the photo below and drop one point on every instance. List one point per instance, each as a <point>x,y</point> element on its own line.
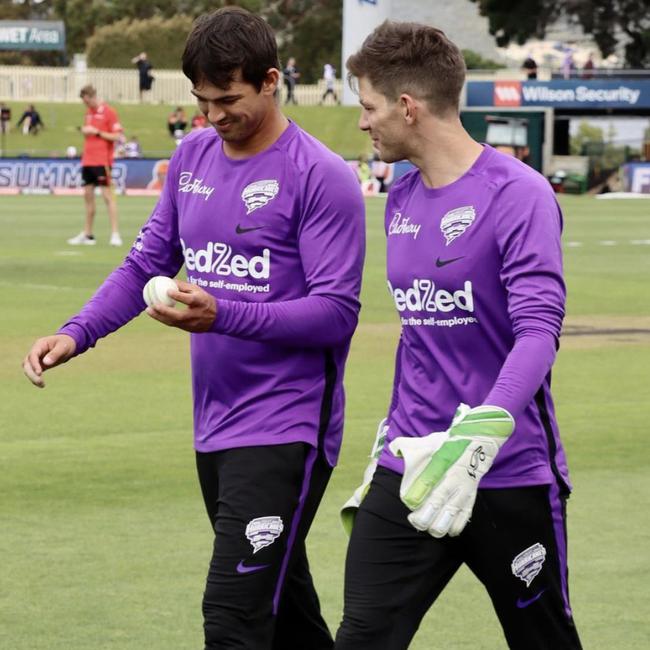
<point>474,267</point>
<point>101,130</point>
<point>291,76</point>
<point>274,259</point>
<point>145,78</point>
<point>31,121</point>
<point>5,118</point>
<point>529,66</point>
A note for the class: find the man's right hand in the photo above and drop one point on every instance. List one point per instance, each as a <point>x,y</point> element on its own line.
<point>46,353</point>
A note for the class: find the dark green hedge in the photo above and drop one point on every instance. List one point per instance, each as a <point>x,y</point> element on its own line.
<point>113,46</point>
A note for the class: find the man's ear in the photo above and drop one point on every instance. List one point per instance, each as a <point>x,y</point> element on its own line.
<point>409,107</point>
<point>271,82</point>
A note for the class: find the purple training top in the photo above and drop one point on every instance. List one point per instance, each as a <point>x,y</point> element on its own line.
<point>475,271</point>
<point>278,239</point>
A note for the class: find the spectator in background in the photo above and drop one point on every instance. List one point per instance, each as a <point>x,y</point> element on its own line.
<point>329,75</point>
<point>5,118</point>
<point>101,130</point>
<point>177,123</point>
<point>568,65</point>
<point>144,66</point>
<point>31,121</point>
<point>120,151</point>
<point>363,169</point>
<point>132,148</point>
<point>530,67</point>
<point>589,67</point>
<point>379,170</point>
<point>291,76</point>
<point>199,121</point>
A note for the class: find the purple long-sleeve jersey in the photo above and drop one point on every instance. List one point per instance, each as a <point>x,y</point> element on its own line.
<point>279,240</point>
<point>475,272</point>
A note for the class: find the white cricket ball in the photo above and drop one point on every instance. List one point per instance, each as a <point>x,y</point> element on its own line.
<point>155,291</point>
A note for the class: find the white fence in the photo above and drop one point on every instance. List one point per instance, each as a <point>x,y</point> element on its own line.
<point>41,84</point>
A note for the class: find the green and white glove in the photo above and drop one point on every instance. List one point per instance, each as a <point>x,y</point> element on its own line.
<point>350,507</point>
<point>442,471</point>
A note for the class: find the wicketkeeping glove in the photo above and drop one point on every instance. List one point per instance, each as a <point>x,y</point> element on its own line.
<point>350,507</point>
<point>442,470</point>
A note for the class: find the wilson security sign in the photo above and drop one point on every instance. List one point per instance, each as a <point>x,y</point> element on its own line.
<point>592,94</point>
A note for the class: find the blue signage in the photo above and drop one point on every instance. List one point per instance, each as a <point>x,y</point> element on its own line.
<point>59,173</point>
<point>572,93</point>
<point>129,175</point>
<point>637,177</point>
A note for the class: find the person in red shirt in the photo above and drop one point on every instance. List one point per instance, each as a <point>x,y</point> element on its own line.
<point>198,121</point>
<point>101,130</point>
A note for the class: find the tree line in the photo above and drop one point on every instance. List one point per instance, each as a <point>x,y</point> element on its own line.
<point>111,32</point>
<point>610,22</point>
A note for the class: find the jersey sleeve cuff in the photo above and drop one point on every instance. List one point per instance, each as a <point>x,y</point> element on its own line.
<point>78,334</point>
<point>225,315</point>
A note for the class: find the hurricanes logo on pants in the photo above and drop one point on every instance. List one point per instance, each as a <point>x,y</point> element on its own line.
<point>528,563</point>
<point>263,531</point>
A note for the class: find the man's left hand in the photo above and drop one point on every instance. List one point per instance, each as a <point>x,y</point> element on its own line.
<point>200,312</point>
<point>442,471</point>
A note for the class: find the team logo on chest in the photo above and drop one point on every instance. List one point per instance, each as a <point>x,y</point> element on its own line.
<point>528,563</point>
<point>263,531</point>
<point>456,222</point>
<point>258,194</point>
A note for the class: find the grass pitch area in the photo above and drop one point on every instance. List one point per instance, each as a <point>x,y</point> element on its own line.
<point>336,126</point>
<point>103,537</point>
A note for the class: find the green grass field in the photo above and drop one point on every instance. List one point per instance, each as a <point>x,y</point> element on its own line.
<point>103,538</point>
<point>336,126</point>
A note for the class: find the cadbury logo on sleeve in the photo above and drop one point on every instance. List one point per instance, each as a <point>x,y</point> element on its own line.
<point>400,225</point>
<point>194,185</point>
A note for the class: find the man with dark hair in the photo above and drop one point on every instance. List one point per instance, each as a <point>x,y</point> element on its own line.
<point>5,118</point>
<point>177,123</point>
<point>101,130</point>
<point>31,121</point>
<point>475,270</point>
<point>274,259</point>
<point>529,66</point>
<point>145,78</point>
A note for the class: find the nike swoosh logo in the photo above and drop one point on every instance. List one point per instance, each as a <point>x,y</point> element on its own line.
<point>440,263</point>
<point>242,568</point>
<point>524,603</point>
<point>240,231</point>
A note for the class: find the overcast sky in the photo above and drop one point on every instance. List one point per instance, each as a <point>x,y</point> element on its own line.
<point>629,130</point>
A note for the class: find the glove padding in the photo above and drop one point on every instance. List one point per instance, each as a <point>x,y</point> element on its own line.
<point>442,470</point>
<point>350,507</point>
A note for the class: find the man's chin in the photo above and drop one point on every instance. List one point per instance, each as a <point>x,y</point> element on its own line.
<point>384,155</point>
<point>387,157</point>
<point>226,132</point>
